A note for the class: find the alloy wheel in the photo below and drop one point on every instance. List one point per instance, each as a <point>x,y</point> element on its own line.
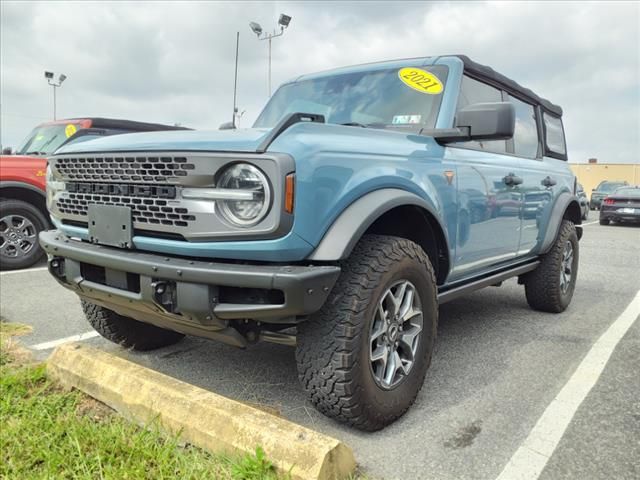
<point>18,236</point>
<point>566,267</point>
<point>395,334</point>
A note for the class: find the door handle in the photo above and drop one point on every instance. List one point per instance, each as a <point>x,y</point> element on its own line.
<point>549,182</point>
<point>512,180</point>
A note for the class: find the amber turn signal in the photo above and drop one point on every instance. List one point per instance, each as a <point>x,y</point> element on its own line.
<point>289,189</point>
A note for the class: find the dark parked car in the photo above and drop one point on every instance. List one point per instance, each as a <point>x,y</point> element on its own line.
<point>602,190</point>
<point>621,206</point>
<point>584,202</point>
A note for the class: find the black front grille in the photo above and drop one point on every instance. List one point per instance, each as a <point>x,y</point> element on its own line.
<point>126,169</point>
<point>143,210</point>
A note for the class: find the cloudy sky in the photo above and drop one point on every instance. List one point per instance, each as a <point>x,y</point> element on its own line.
<point>172,62</point>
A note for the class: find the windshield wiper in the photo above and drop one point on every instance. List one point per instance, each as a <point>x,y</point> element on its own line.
<point>368,125</point>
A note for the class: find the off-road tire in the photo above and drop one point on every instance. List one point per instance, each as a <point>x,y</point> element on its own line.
<point>39,222</point>
<point>605,221</point>
<point>126,331</point>
<point>542,286</point>
<point>333,345</point>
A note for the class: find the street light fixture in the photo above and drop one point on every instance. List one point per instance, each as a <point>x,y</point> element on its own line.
<point>257,29</point>
<point>283,22</point>
<point>61,78</point>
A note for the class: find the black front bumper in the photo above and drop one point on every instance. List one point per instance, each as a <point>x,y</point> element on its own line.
<point>190,296</point>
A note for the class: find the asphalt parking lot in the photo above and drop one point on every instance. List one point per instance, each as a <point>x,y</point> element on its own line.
<point>497,368</point>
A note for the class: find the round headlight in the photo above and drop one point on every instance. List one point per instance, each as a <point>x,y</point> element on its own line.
<point>252,195</point>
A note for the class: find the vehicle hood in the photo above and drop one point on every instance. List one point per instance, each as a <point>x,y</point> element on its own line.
<point>301,140</point>
<point>244,140</point>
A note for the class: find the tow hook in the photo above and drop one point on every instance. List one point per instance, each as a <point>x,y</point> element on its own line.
<point>56,267</point>
<point>164,293</point>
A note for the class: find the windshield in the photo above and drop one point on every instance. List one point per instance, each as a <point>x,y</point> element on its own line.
<point>373,98</point>
<point>45,139</point>
<point>609,187</point>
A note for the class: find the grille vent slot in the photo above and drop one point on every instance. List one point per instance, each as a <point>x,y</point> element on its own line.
<point>125,169</point>
<point>143,210</point>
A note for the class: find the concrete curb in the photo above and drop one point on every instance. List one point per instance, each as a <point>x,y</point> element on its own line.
<point>203,418</point>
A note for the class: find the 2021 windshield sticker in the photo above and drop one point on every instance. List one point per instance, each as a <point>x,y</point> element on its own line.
<point>420,80</point>
<point>70,129</point>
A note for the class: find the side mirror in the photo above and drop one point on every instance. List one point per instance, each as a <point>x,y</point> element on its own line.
<point>7,151</point>
<point>227,126</point>
<point>488,121</point>
<point>480,121</point>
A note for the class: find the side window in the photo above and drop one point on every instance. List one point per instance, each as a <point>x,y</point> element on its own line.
<point>525,137</point>
<point>554,136</point>
<point>472,91</point>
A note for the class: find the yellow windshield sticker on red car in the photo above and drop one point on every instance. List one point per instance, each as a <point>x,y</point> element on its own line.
<point>70,129</point>
<point>421,80</point>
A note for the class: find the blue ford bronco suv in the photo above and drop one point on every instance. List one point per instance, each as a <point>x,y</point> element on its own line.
<point>361,199</point>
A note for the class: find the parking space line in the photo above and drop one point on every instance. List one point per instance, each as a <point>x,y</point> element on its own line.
<point>27,270</point>
<point>533,454</point>
<point>590,223</point>
<point>60,341</point>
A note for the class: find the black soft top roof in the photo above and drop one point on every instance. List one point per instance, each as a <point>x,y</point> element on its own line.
<point>99,122</point>
<point>490,74</point>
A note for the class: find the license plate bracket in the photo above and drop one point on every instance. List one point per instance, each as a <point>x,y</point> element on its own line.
<point>110,225</point>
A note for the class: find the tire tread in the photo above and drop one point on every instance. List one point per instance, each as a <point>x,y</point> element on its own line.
<point>542,286</point>
<point>329,342</point>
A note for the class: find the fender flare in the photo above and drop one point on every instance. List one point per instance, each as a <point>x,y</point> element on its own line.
<point>555,219</point>
<point>27,186</point>
<point>339,240</point>
<point>31,189</point>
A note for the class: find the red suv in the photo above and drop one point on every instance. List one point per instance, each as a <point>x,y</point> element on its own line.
<point>23,212</point>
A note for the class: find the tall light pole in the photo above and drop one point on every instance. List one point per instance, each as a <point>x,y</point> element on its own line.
<point>235,84</point>
<point>54,84</point>
<point>283,22</point>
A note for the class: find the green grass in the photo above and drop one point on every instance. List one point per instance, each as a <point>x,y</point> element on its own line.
<point>49,433</point>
